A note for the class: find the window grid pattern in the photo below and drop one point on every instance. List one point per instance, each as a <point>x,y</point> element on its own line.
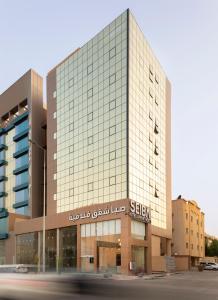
<point>147,109</point>
<point>9,168</point>
<point>95,100</point>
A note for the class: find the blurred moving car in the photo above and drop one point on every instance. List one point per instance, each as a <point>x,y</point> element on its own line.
<point>211,266</point>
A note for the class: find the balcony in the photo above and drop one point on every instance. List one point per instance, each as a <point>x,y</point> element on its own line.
<point>21,169</point>
<point>20,135</point>
<point>3,213</point>
<point>3,236</point>
<point>21,152</point>
<point>21,187</point>
<point>20,204</point>
<point>3,147</point>
<point>3,162</point>
<point>3,178</point>
<point>2,131</point>
<point>3,194</point>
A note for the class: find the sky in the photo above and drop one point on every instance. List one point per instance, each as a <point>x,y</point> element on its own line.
<point>183,35</point>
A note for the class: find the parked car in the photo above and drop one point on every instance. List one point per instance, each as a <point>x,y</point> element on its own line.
<point>211,266</point>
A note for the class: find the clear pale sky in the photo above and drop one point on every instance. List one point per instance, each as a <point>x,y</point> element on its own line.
<point>184,36</point>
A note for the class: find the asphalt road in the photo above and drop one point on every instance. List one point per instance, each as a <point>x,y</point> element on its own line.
<point>185,286</point>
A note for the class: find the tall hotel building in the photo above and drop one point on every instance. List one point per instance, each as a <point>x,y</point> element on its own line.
<point>21,114</point>
<point>108,158</point>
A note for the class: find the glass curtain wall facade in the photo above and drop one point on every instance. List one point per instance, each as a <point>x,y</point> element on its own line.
<point>111,122</point>
<point>147,132</point>
<point>91,121</point>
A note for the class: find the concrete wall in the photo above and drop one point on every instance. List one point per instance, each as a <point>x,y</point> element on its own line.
<point>159,264</point>
<point>182,263</point>
<point>155,241</point>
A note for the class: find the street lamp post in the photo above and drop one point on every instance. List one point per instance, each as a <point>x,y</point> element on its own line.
<point>44,199</point>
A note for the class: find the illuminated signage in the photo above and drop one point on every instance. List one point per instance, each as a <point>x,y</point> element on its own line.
<point>140,211</point>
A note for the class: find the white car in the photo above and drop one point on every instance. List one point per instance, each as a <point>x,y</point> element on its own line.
<point>211,266</point>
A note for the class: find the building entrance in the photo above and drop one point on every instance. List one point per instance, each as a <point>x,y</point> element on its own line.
<point>108,257</point>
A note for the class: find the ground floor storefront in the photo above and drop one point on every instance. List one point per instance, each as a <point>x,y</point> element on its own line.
<point>111,237</point>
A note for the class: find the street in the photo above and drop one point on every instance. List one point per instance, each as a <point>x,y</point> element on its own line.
<point>190,285</point>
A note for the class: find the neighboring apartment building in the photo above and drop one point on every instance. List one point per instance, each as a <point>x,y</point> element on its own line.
<point>209,239</point>
<point>108,157</point>
<point>188,245</point>
<point>21,114</point>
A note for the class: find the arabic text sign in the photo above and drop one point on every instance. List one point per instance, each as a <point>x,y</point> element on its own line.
<point>97,213</point>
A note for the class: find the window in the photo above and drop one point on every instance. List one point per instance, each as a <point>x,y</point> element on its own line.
<point>71,126</point>
<point>186,230</point>
<point>90,140</point>
<point>156,78</point>
<point>55,156</point>
<point>72,192</point>
<point>90,187</point>
<point>156,100</point>
<point>90,117</point>
<point>186,245</point>
<point>55,176</point>
<point>138,230</point>
<point>156,165</point>
<point>22,161</point>
<point>186,215</point>
<point>151,70</point>
<point>156,129</point>
<point>112,52</point>
<point>54,94</point>
<point>71,170</point>
<point>55,197</point>
<point>191,218</point>
<point>71,82</point>
<point>197,222</point>
<point>112,104</point>
<point>156,150</point>
<point>55,115</point>
<point>55,135</point>
<point>71,149</point>
<point>151,77</point>
<point>89,69</point>
<point>112,180</point>
<point>22,178</point>
<point>112,79</point>
<point>150,115</point>
<point>21,195</point>
<point>150,138</point>
<point>151,182</point>
<point>151,162</point>
<point>24,125</point>
<point>112,130</point>
<point>151,93</point>
<point>90,163</point>
<point>90,93</point>
<point>192,246</point>
<point>156,193</point>
<point>112,155</point>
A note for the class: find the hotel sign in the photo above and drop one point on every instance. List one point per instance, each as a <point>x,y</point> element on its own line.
<point>140,212</point>
<point>134,209</point>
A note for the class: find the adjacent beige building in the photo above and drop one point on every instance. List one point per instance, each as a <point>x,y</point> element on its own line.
<point>188,244</point>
